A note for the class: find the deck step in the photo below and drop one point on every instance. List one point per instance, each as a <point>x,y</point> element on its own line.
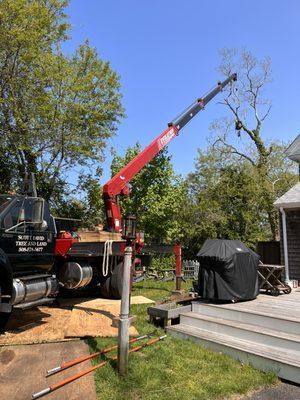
<point>242,330</point>
<point>284,362</point>
<point>261,316</point>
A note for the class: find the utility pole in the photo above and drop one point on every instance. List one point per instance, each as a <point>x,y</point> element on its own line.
<point>124,321</point>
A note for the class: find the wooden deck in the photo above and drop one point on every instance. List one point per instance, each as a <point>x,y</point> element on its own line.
<point>284,306</point>
<point>264,332</point>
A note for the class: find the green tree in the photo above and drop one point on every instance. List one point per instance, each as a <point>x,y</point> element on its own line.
<point>56,111</point>
<point>156,196</point>
<point>94,205</point>
<point>227,200</point>
<point>85,202</point>
<point>7,174</point>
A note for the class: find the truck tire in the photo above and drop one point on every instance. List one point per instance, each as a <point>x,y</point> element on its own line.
<point>105,289</point>
<point>112,287</point>
<point>116,281</point>
<point>4,317</point>
<point>5,290</point>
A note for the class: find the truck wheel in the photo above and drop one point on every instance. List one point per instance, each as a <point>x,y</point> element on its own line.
<point>116,281</point>
<point>105,289</point>
<point>5,295</point>
<point>4,317</point>
<point>112,287</point>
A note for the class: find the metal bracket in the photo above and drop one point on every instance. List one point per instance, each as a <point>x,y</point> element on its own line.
<point>116,320</point>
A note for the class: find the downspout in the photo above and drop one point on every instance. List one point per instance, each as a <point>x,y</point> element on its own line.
<point>285,245</point>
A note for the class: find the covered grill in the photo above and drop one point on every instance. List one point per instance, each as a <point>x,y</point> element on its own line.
<point>228,271</point>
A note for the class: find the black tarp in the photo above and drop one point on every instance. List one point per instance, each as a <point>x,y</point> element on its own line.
<point>228,271</point>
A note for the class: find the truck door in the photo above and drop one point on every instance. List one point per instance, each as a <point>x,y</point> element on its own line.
<point>28,235</point>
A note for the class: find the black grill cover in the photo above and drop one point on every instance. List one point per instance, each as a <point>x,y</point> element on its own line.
<point>228,271</point>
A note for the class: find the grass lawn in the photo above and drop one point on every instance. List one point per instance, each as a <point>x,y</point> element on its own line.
<point>173,369</point>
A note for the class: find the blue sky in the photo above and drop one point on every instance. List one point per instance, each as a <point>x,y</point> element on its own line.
<point>166,53</point>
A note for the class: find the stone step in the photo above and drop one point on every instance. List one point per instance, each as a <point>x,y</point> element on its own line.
<point>241,330</point>
<point>260,316</point>
<point>285,363</point>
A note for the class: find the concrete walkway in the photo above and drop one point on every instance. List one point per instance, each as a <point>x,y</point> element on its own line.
<point>22,371</point>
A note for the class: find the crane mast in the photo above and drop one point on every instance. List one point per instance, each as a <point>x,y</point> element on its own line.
<point>118,184</point>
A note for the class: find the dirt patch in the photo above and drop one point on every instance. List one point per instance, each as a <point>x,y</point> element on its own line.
<point>23,368</point>
<point>38,325</point>
<point>6,356</point>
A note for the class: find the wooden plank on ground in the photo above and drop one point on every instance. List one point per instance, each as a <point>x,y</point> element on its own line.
<point>94,317</point>
<point>60,323</point>
<point>95,320</point>
<point>38,325</point>
<point>71,302</point>
<point>96,303</point>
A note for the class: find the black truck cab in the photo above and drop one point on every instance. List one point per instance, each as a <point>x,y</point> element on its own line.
<point>34,263</point>
<point>27,233</point>
<point>27,240</point>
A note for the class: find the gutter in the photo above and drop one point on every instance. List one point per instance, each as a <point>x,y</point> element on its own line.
<point>285,245</point>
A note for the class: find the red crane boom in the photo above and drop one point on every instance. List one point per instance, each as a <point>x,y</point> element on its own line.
<point>117,185</point>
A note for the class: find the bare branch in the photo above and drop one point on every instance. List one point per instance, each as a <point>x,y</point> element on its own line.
<point>233,150</point>
<point>267,113</point>
<point>235,112</point>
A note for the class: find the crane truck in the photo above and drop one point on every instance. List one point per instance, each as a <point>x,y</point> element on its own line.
<point>36,261</point>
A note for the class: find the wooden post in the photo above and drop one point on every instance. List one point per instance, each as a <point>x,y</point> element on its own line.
<point>178,270</point>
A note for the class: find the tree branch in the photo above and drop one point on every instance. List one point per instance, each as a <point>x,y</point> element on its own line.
<point>233,150</point>
<point>235,112</point>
